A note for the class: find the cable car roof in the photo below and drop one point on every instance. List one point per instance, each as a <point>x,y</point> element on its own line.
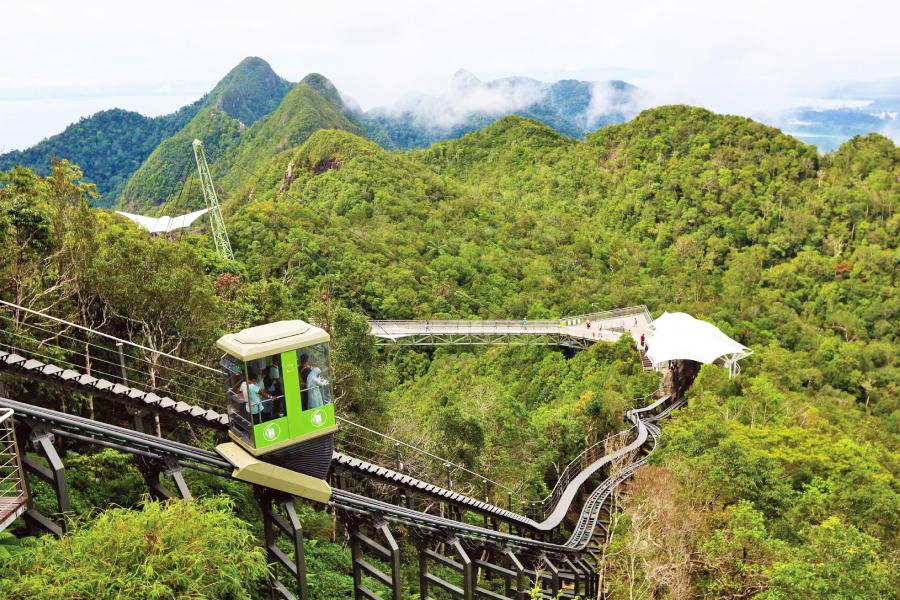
<point>271,338</point>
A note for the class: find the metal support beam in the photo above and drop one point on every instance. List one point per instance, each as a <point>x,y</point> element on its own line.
<point>55,475</point>
<point>590,577</point>
<point>388,552</point>
<point>554,575</point>
<point>468,570</point>
<point>152,470</point>
<point>519,590</point>
<point>576,575</point>
<point>274,524</point>
<point>423,568</point>
<point>177,475</point>
<point>462,565</point>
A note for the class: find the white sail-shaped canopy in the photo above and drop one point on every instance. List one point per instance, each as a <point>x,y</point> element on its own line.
<point>680,336</point>
<point>164,224</point>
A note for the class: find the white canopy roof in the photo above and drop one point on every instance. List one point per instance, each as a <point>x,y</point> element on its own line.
<point>681,336</point>
<point>164,224</point>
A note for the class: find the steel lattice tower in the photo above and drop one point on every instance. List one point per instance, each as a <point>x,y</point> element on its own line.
<point>216,222</point>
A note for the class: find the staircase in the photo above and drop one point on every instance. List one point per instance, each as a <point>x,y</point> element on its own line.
<point>13,493</point>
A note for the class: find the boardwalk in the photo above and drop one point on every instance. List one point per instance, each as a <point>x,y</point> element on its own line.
<point>605,326</point>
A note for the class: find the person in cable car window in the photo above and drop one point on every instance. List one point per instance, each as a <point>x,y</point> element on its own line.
<point>271,380</point>
<point>316,385</point>
<point>304,374</point>
<point>253,394</point>
<point>275,376</point>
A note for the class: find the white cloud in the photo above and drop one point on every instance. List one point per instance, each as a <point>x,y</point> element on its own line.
<point>467,95</point>
<point>892,129</point>
<point>745,56</point>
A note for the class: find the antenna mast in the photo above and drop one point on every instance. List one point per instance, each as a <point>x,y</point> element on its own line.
<point>216,222</point>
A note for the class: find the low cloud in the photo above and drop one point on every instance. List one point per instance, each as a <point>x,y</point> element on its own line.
<point>614,98</point>
<point>467,96</point>
<point>892,130</point>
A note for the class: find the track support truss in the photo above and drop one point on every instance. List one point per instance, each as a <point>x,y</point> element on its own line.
<point>280,519</point>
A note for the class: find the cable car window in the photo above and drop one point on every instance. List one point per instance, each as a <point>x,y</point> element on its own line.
<point>238,414</point>
<point>315,376</point>
<point>263,389</point>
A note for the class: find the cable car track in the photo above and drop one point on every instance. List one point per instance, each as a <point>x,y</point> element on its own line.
<point>586,534</point>
<point>50,373</point>
<point>205,460</point>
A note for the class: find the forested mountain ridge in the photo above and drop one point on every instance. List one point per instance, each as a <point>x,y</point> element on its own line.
<point>140,163</point>
<point>312,105</point>
<point>110,145</point>
<point>236,153</point>
<point>247,93</point>
<point>779,483</point>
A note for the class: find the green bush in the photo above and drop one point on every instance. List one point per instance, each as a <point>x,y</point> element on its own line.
<point>176,549</point>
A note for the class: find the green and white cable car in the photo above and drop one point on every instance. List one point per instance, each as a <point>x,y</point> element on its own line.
<point>280,406</point>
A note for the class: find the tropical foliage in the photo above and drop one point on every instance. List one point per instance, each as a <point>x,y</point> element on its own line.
<point>781,482</point>
<point>180,549</point>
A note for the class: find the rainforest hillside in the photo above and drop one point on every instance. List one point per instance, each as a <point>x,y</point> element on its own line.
<point>140,162</point>
<point>110,145</point>
<point>778,483</point>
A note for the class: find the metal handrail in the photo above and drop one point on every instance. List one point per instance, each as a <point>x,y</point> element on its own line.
<point>470,323</point>
<point>12,480</point>
<point>107,336</point>
<point>444,461</point>
<point>640,309</point>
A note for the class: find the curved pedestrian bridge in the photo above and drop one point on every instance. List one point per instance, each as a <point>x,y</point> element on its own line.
<point>576,331</point>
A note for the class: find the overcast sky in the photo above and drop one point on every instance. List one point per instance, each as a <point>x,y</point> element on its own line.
<point>62,60</point>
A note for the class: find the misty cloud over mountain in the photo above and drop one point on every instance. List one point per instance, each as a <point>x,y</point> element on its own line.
<point>570,106</point>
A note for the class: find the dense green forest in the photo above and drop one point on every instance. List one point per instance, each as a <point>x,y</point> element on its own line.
<point>778,483</point>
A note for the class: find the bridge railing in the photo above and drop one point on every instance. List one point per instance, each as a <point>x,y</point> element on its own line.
<point>465,324</point>
<point>628,311</point>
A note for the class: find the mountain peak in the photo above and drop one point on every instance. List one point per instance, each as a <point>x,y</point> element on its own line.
<point>323,86</point>
<point>463,80</point>
<point>250,90</point>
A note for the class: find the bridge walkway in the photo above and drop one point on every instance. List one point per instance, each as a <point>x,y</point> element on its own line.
<point>576,331</point>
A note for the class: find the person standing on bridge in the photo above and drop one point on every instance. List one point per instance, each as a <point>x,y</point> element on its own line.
<point>525,322</point>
